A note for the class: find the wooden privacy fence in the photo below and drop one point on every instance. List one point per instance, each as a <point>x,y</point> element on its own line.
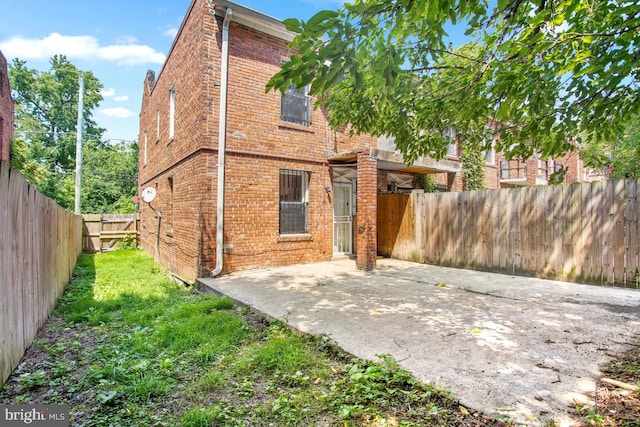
<point>39,245</point>
<point>102,232</point>
<point>581,232</point>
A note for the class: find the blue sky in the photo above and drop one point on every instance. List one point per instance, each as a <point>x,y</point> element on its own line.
<point>117,40</point>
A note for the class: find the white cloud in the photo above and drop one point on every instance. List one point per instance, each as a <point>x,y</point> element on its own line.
<point>118,112</point>
<point>110,92</point>
<point>170,32</point>
<point>126,40</point>
<point>79,47</point>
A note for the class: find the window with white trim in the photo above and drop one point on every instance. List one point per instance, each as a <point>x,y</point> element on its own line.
<point>490,153</point>
<point>452,146</point>
<point>294,201</point>
<point>172,110</point>
<point>145,147</point>
<point>158,124</point>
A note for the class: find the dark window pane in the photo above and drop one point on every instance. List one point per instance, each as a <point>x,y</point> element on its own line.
<point>293,203</point>
<point>295,106</point>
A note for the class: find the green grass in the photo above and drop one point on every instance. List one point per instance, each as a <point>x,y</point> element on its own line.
<point>128,347</point>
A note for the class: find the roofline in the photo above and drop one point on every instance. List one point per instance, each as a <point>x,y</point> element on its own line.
<point>241,15</point>
<point>253,19</point>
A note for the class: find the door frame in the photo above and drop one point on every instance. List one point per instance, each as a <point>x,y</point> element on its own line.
<point>350,204</point>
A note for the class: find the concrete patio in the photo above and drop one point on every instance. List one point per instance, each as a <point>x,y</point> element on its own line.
<point>514,346</point>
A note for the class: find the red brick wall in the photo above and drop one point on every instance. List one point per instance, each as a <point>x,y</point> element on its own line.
<point>190,69</point>
<point>6,111</point>
<point>366,230</point>
<point>491,180</point>
<point>175,239</point>
<point>251,210</point>
<point>573,163</point>
<point>258,146</point>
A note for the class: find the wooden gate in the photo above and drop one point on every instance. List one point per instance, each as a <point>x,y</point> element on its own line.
<point>101,232</point>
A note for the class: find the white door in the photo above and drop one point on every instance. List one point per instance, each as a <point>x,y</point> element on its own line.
<point>342,218</point>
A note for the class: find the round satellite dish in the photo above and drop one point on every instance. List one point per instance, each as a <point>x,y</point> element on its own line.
<point>148,194</point>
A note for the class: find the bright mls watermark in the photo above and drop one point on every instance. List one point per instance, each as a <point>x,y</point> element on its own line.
<point>34,415</point>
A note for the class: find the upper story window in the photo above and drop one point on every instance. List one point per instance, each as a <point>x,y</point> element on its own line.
<point>452,145</point>
<point>295,106</point>
<point>543,168</point>
<point>490,153</point>
<point>294,201</point>
<point>145,147</point>
<point>172,110</point>
<point>158,125</point>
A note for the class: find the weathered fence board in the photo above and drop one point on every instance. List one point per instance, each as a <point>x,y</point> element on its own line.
<point>631,268</point>
<point>580,232</point>
<point>101,232</point>
<point>39,245</point>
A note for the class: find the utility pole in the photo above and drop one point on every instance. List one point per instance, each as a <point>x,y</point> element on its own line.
<point>79,143</point>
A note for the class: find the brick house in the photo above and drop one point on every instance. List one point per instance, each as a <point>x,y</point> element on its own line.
<point>244,178</point>
<point>291,190</point>
<point>6,111</point>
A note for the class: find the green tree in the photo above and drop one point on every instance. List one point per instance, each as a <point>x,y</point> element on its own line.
<point>45,117</point>
<point>540,72</point>
<point>621,156</point>
<point>109,179</point>
<point>44,147</point>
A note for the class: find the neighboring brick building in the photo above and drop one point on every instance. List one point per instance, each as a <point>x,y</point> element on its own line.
<point>6,111</point>
<point>499,172</point>
<point>536,171</point>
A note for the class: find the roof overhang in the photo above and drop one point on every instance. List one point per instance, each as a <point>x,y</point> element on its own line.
<point>345,158</point>
<point>253,19</point>
<point>394,161</point>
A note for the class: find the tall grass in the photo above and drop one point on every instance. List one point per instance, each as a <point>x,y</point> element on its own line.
<point>130,347</point>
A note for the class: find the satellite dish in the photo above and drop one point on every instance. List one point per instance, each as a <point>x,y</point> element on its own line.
<point>148,194</point>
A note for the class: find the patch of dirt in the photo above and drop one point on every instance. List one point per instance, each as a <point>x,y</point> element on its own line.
<point>616,406</point>
<point>52,369</point>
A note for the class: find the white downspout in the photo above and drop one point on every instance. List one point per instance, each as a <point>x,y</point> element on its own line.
<point>222,140</point>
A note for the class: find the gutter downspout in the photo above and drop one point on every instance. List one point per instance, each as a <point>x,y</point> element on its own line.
<point>222,140</point>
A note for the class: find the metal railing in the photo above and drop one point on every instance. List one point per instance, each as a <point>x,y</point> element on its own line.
<point>512,169</point>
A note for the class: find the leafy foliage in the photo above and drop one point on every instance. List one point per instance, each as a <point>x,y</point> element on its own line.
<point>542,72</point>
<point>109,177</point>
<point>621,156</point>
<point>44,148</point>
<point>473,167</point>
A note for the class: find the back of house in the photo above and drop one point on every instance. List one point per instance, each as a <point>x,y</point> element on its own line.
<point>294,191</point>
